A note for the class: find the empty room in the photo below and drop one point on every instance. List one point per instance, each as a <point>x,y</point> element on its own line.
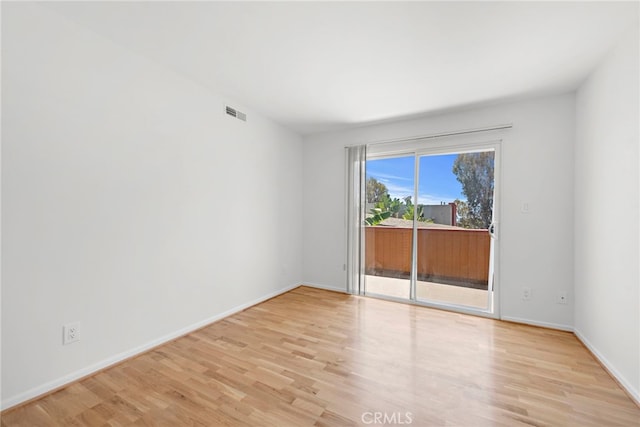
<point>320,213</point>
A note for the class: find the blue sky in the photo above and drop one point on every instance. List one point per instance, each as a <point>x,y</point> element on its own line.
<point>437,182</point>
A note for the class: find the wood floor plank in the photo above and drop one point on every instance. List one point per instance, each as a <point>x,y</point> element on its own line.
<point>317,358</point>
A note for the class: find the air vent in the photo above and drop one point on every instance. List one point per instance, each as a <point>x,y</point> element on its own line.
<point>235,113</point>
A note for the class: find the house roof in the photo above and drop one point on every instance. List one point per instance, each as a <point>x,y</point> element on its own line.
<point>407,223</point>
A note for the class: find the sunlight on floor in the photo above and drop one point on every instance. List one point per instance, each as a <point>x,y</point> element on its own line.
<point>435,292</point>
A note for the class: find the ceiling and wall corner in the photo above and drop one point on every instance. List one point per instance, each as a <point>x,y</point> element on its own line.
<point>318,66</point>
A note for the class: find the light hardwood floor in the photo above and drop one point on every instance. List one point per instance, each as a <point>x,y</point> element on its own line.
<point>314,357</point>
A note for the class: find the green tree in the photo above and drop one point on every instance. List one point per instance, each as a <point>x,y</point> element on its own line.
<point>475,172</point>
<point>462,210</point>
<point>386,207</point>
<point>377,216</point>
<point>393,206</point>
<point>408,213</point>
<point>376,191</point>
<point>410,208</point>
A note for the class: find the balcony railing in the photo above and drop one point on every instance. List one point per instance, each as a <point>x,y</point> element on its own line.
<point>454,256</point>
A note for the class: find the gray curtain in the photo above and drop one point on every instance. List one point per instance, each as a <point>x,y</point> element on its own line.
<point>356,200</point>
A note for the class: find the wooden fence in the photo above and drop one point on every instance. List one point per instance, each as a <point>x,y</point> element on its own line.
<point>454,256</point>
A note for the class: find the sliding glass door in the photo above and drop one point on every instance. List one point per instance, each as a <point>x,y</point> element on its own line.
<point>430,222</point>
<point>456,200</point>
<point>389,226</point>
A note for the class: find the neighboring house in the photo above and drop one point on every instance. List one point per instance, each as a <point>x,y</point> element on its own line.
<point>441,214</point>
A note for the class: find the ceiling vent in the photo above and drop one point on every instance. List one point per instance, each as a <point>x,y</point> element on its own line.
<point>235,113</point>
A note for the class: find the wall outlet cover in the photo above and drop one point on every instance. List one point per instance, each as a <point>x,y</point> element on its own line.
<point>70,333</point>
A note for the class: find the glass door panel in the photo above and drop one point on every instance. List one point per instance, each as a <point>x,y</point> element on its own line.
<point>389,226</point>
<point>454,212</point>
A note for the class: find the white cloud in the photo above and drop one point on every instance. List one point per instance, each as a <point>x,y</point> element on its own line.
<point>397,190</point>
<point>400,192</point>
<point>385,177</point>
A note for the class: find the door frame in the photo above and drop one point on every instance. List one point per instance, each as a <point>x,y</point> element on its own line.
<point>451,145</point>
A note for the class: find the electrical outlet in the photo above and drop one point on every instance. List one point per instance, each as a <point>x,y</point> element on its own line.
<point>562,297</point>
<point>70,333</point>
<point>525,207</point>
<point>526,294</point>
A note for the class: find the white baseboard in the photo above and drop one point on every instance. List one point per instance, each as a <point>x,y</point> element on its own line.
<point>91,369</point>
<point>84,372</point>
<point>538,323</point>
<point>635,394</point>
<point>326,287</point>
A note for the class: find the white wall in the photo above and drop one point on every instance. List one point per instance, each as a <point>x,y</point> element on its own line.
<point>606,181</point>
<point>537,166</point>
<point>130,203</point>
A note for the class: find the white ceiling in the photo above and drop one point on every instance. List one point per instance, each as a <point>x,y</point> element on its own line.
<point>326,65</point>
